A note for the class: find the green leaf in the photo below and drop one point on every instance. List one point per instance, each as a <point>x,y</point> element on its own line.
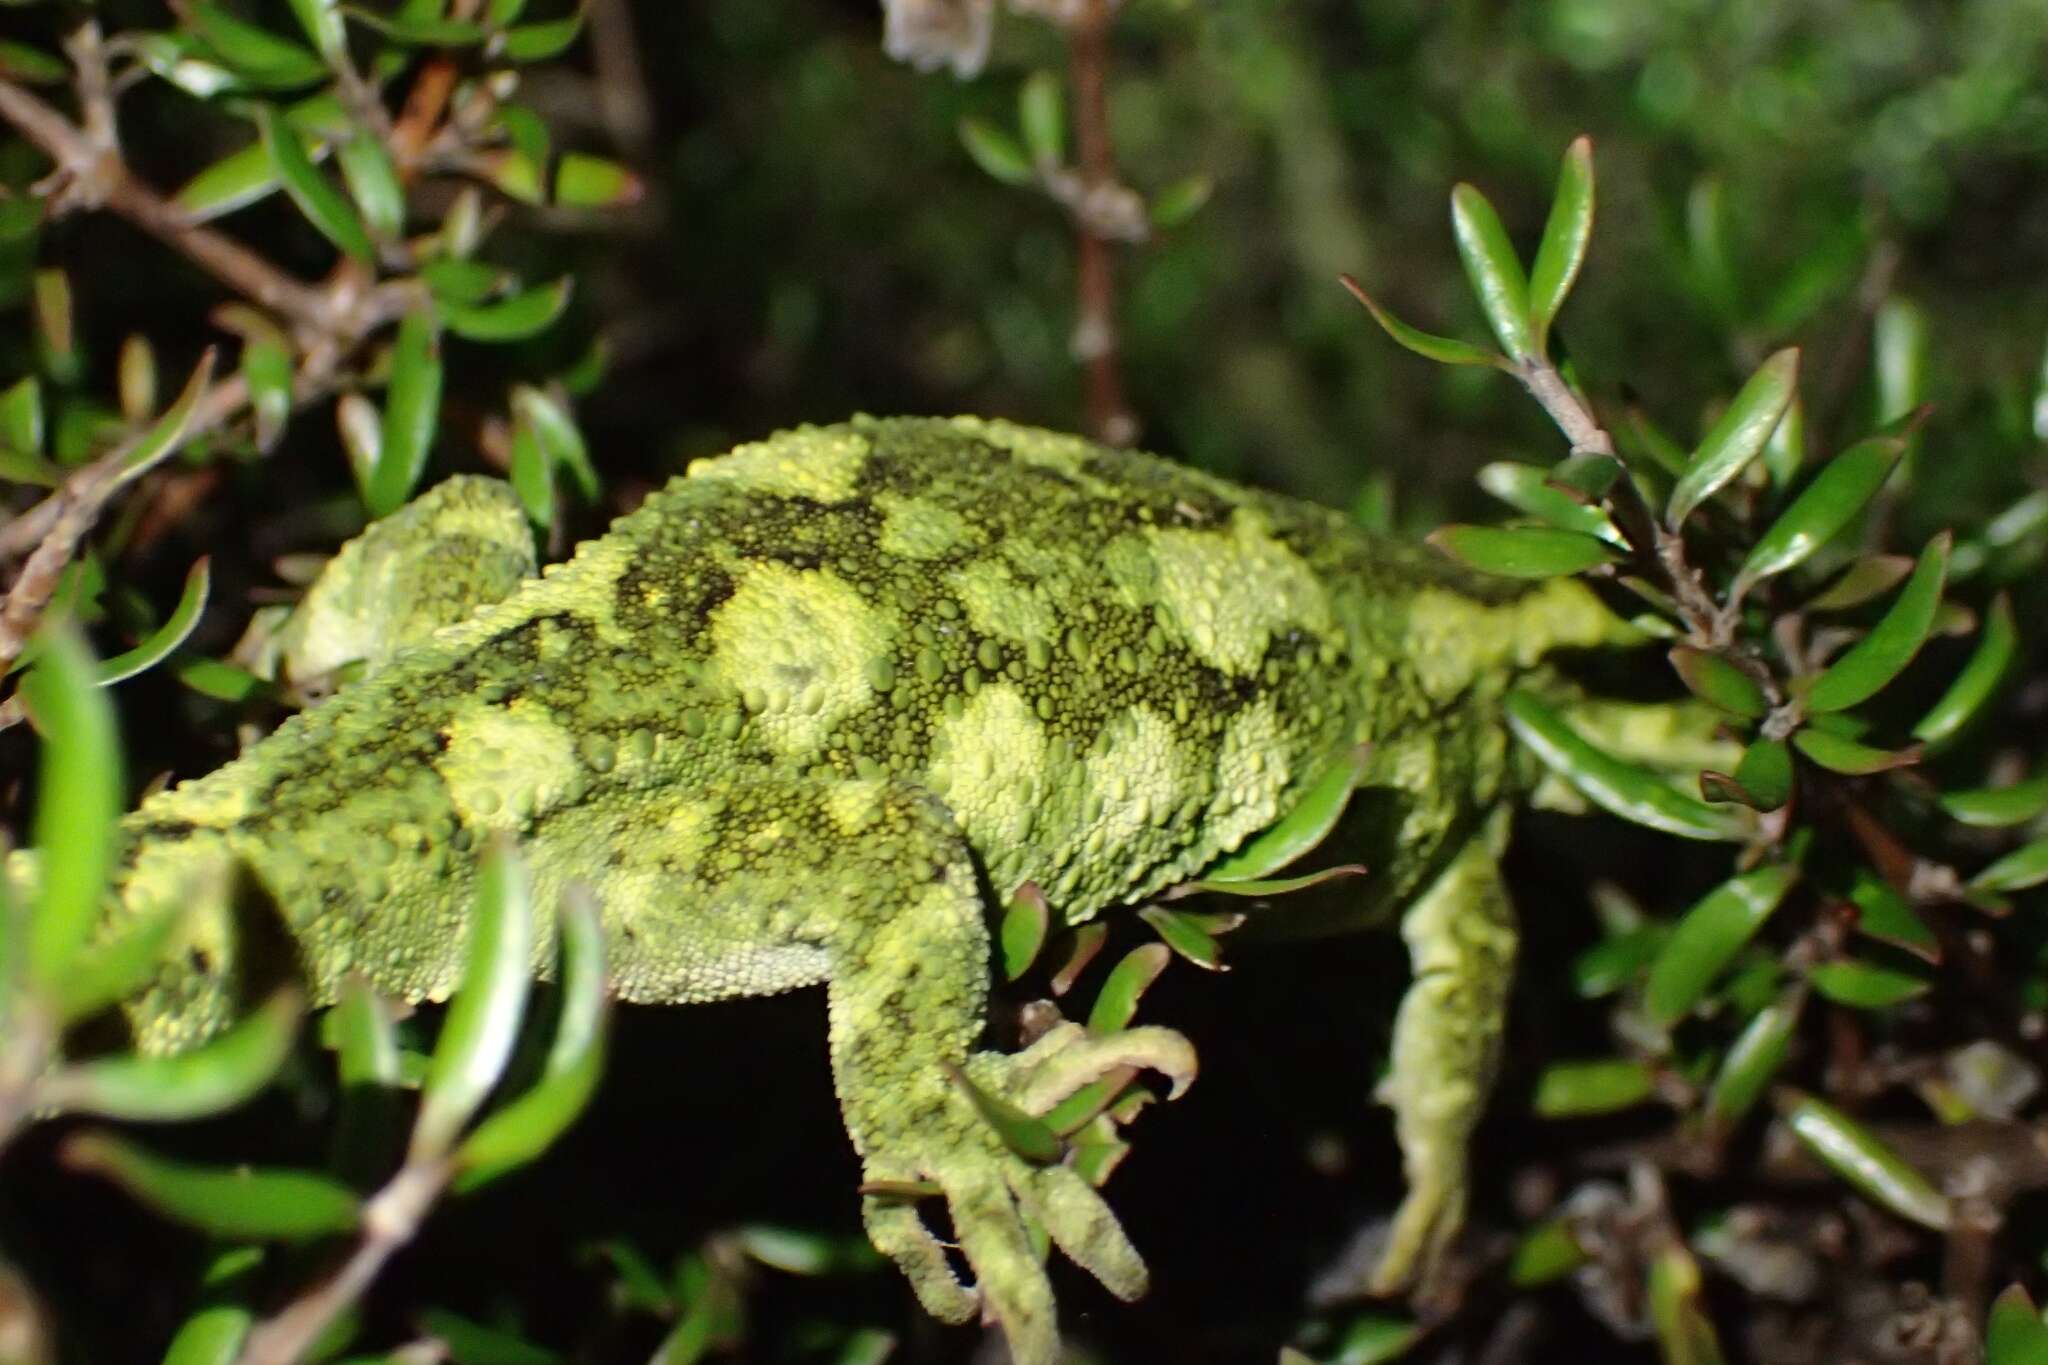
<point>1898,345</point>
<point>372,178</point>
<point>1888,917</point>
<point>1830,501</point>
<point>216,1076</point>
<point>267,370</point>
<point>1998,807</point>
<point>221,681</point>
<point>211,1336</point>
<point>472,1343</point>
<point>1494,270</point>
<point>112,971</point>
<point>595,182</point>
<point>1576,1089</point>
<point>1685,1334</point>
<point>1840,754</point>
<point>1753,1061</point>
<point>1715,680</point>
<point>1615,961</point>
<point>2024,867</point>
<point>169,431</point>
<point>256,54</point>
<point>1301,829</point>
<point>1626,789</point>
<point>527,132</point>
<point>1708,936</point>
<point>522,315</point>
<point>2015,1334</point>
<point>529,1125</point>
<point>1117,1002</point>
<point>167,637</point>
<point>31,65</point>
<point>1522,551</point>
<point>369,1127</point>
<point>560,440</point>
<point>1530,489</point>
<point>1855,1154</point>
<point>361,428</point>
<point>412,411</point>
<point>543,41</point>
<point>531,474</point>
<point>458,281</point>
<point>321,19</point>
<point>419,31</point>
<point>1865,580</point>
<point>235,181</point>
<point>1738,437</point>
<point>1785,452</point>
<point>80,794</point>
<point>1546,1254</point>
<point>1443,350</point>
<point>324,206</point>
<point>1180,201</point>
<point>996,152</point>
<point>1871,664</point>
<point>1026,921</point>
<point>483,1020</point>
<point>1185,934</point>
<point>1026,1135</point>
<point>1866,985</point>
<point>1975,686</point>
<point>1565,235</point>
<point>235,1203</point>
<point>1042,114</point>
<point>21,416</point>
<point>1765,772</point>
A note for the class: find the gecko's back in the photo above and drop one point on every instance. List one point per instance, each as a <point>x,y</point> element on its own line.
<point>1108,668</point>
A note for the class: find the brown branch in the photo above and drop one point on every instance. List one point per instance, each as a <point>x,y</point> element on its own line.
<point>1095,332</point>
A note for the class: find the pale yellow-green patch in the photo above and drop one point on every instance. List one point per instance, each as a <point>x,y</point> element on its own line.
<point>1230,593</point>
<point>1051,450</point>
<point>504,765</point>
<point>810,462</point>
<point>1128,565</point>
<point>999,605</point>
<point>918,528</point>
<point>795,645</point>
<point>854,805</point>
<point>1140,771</point>
<point>1251,772</point>
<point>988,766</point>
<point>1454,640</point>
<point>215,801</point>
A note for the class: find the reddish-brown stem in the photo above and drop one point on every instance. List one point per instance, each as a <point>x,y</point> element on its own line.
<point>1095,334</point>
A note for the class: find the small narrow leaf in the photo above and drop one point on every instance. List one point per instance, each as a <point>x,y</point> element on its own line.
<point>79,797</point>
<point>510,319</point>
<point>372,178</point>
<point>1714,679</point>
<point>1865,580</point>
<point>1180,201</point>
<point>1494,270</point>
<point>1547,1253</point>
<point>1785,452</point>
<point>1871,664</point>
<point>211,1336</point>
<point>1888,917</point>
<point>1523,551</point>
<point>167,637</point>
<point>1898,344</point>
<point>1117,1002</point>
<point>1626,789</point>
<point>1974,687</point>
<point>412,411</point>
<point>21,416</point>
<point>525,1128</point>
<point>1854,1153</point>
<point>1840,754</point>
<point>164,437</point>
<point>1301,829</point>
<point>324,206</point>
<point>1766,772</point>
<point>543,41</point>
<point>235,1203</point>
<point>112,971</point>
<point>584,181</point>
<point>2024,867</point>
<point>1866,985</point>
<point>256,54</point>
<point>996,152</point>
<point>1576,1089</point>
<point>1443,350</point>
<point>1029,1137</point>
<point>208,1079</point>
<point>1738,437</point>
<point>1998,807</point>
<point>1678,1313</point>
<point>1082,944</point>
<point>560,440</point>
<point>1025,923</point>
<point>1838,491</point>
<point>1753,1061</point>
<point>1531,489</point>
<point>483,1020</point>
<point>1565,235</point>
<point>1708,936</point>
<point>1185,934</point>
<point>1042,114</point>
<point>2015,1334</point>
<point>321,19</point>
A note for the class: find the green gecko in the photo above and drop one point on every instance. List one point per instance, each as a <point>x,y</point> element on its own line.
<point>814,711</point>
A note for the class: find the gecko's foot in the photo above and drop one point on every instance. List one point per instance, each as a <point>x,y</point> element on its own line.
<point>996,1197</point>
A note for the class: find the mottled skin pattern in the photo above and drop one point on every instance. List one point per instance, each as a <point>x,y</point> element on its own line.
<point>804,713</point>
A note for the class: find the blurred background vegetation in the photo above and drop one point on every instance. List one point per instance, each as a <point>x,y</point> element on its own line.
<point>808,237</point>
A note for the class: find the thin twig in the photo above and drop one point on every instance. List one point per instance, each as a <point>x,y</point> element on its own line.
<point>1095,331</point>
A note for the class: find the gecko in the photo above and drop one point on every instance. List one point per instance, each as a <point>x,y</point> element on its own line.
<point>814,711</point>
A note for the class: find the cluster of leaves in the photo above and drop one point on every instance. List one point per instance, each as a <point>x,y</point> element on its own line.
<point>1868,865</point>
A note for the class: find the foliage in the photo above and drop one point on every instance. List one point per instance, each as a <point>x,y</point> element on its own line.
<point>1774,1087</point>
